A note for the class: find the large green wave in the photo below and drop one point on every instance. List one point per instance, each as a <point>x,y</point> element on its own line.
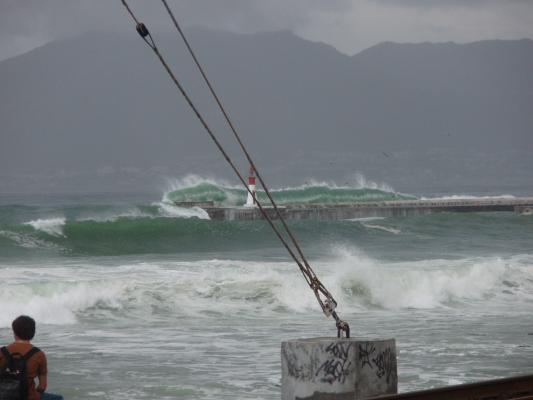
<point>307,194</point>
<point>144,235</point>
<point>161,227</point>
<point>467,233</point>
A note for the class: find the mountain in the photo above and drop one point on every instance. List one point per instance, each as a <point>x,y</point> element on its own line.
<point>98,112</point>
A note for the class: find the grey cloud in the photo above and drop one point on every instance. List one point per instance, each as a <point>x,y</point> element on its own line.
<point>452,3</point>
<point>28,23</point>
<point>349,25</point>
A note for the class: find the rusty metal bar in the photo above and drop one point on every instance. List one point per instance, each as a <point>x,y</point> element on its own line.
<point>516,388</point>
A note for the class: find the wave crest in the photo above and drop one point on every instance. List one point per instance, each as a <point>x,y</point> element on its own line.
<point>197,189</point>
<point>259,289</point>
<point>51,226</point>
<point>56,303</point>
<point>419,284</point>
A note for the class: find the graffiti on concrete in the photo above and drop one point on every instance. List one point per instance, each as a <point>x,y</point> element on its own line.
<point>365,352</point>
<point>294,368</point>
<point>336,368</point>
<point>383,361</point>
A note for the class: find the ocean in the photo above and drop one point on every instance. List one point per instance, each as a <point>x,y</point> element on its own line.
<point>136,298</point>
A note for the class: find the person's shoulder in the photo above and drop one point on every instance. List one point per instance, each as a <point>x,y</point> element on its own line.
<point>13,347</point>
<point>24,349</point>
<point>40,353</point>
<point>39,359</point>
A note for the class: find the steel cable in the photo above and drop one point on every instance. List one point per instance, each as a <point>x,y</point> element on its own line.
<point>328,305</point>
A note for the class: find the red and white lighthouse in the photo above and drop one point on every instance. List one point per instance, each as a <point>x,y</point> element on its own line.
<point>250,202</point>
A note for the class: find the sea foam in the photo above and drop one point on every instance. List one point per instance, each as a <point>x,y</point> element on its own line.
<point>383,228</point>
<point>197,189</point>
<point>27,240</point>
<point>418,284</point>
<point>113,215</point>
<point>51,226</point>
<point>55,303</point>
<point>201,288</point>
<point>168,209</point>
<point>470,197</point>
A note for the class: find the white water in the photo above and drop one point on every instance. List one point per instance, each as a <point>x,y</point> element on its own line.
<point>356,181</point>
<point>383,228</point>
<point>62,294</point>
<point>153,327</point>
<point>168,209</point>
<point>27,241</point>
<point>470,197</point>
<point>113,215</point>
<point>429,284</point>
<point>207,324</point>
<point>52,226</point>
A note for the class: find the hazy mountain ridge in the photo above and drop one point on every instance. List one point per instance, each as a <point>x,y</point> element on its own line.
<point>102,101</point>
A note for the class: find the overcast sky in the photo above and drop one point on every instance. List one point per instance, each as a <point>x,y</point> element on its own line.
<point>349,25</point>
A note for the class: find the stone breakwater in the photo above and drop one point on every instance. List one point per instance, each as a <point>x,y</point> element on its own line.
<point>395,208</point>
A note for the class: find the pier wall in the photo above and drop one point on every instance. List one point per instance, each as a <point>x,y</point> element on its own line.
<point>405,208</point>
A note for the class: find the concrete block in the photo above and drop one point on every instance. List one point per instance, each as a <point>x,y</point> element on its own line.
<point>337,369</point>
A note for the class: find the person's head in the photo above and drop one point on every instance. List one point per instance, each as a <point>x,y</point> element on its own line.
<point>23,327</point>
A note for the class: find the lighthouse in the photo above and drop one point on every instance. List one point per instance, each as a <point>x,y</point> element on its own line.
<point>250,201</point>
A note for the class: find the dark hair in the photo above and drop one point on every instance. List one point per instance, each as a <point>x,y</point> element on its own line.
<point>24,327</point>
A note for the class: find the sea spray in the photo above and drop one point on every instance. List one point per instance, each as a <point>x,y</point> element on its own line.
<point>469,197</point>
<point>52,226</point>
<point>113,214</point>
<point>135,302</point>
<point>56,302</point>
<point>201,189</point>
<point>197,189</point>
<point>25,241</point>
<point>422,284</point>
<point>229,287</point>
<point>169,209</point>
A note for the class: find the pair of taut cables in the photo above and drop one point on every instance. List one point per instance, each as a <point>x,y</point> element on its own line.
<point>324,297</point>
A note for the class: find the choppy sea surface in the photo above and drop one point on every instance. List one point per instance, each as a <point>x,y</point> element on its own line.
<point>139,299</point>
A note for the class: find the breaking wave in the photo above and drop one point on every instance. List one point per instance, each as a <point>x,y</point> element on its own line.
<point>57,303</point>
<point>197,189</point>
<point>429,284</point>
<point>52,226</point>
<point>220,287</point>
<point>163,227</point>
